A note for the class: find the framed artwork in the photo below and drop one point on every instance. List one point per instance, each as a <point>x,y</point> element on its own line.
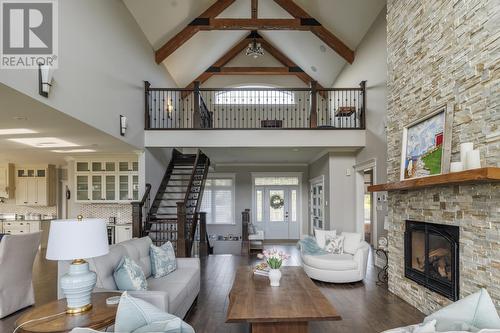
<point>426,147</point>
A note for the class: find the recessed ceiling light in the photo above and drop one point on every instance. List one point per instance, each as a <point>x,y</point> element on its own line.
<point>74,151</point>
<point>11,131</point>
<point>313,68</point>
<point>45,142</point>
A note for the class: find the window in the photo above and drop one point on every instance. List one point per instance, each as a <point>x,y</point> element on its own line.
<point>263,181</point>
<point>260,96</point>
<point>218,200</point>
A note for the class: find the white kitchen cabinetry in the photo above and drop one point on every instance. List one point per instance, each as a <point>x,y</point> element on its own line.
<point>123,233</point>
<point>106,181</point>
<point>36,186</point>
<point>20,227</point>
<point>7,181</point>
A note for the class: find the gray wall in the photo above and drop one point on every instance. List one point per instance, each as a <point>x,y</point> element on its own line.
<point>342,192</point>
<point>103,60</point>
<point>340,213</point>
<point>321,167</point>
<point>370,64</point>
<point>155,165</point>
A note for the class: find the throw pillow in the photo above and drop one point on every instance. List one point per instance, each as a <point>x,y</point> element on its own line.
<point>168,326</point>
<point>321,235</point>
<point>163,259</point>
<point>335,245</point>
<point>136,315</point>
<point>129,276</point>
<point>476,310</point>
<point>352,241</point>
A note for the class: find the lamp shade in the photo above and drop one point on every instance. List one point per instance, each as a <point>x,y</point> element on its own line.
<point>77,239</point>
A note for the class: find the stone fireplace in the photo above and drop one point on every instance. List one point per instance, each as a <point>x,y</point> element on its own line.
<point>443,53</point>
<point>431,256</point>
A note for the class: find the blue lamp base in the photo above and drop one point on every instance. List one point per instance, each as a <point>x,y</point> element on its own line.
<point>77,286</point>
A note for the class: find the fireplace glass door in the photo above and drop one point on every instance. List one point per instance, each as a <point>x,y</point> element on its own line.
<point>431,256</point>
<point>439,258</point>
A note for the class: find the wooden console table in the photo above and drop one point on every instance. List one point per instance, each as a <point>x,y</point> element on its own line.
<point>287,308</point>
<point>99,317</point>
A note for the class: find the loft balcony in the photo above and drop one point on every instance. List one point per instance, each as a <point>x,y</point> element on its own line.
<point>252,116</point>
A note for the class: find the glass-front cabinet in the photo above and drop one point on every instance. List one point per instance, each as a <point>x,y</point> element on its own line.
<point>107,180</point>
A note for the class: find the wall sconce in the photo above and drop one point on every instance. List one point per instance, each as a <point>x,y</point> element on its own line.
<point>123,125</point>
<point>44,79</point>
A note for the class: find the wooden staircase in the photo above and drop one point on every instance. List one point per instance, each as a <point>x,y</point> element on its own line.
<point>175,214</point>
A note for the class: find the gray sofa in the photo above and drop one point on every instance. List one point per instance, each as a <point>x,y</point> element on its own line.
<point>174,293</point>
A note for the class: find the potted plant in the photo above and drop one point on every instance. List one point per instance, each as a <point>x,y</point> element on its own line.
<point>274,259</point>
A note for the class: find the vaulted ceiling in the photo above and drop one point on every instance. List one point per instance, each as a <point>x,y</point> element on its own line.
<point>161,20</point>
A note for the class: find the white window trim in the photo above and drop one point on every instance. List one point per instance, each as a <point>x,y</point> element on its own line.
<point>360,168</point>
<point>213,175</point>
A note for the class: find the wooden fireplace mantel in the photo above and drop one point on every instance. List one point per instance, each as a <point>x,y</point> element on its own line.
<point>490,174</point>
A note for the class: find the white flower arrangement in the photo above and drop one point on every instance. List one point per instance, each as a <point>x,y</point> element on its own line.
<point>274,258</point>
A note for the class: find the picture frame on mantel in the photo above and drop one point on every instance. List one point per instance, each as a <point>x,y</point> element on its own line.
<point>426,145</point>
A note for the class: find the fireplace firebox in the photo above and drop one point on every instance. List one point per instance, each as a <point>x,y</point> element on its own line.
<point>431,256</point>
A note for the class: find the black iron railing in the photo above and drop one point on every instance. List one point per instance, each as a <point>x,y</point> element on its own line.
<point>255,108</point>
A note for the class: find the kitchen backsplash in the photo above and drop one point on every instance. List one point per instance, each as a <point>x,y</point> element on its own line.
<point>9,206</point>
<point>122,212</point>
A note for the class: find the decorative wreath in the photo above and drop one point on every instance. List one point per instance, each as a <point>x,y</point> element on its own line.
<point>276,201</point>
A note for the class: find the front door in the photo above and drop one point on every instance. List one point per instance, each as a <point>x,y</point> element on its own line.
<point>278,206</point>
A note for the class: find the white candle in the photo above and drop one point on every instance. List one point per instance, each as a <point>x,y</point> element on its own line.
<point>464,148</point>
<point>473,160</point>
<point>456,166</point>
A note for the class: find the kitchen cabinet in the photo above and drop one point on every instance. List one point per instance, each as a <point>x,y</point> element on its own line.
<point>20,227</point>
<point>36,186</point>
<point>7,181</point>
<point>107,181</point>
<point>123,233</point>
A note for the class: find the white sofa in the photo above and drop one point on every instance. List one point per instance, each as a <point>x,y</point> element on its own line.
<point>338,268</point>
<point>174,293</point>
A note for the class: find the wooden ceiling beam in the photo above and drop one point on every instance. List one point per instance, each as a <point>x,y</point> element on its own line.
<point>252,71</point>
<point>254,8</point>
<point>253,24</point>
<point>185,34</point>
<point>320,31</point>
<point>238,48</point>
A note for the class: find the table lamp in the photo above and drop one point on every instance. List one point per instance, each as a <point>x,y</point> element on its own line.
<point>76,239</point>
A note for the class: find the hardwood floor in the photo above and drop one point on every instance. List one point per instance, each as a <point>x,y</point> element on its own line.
<point>364,307</point>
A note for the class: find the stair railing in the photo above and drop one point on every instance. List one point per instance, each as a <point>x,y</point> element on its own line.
<point>140,213</point>
<point>191,213</point>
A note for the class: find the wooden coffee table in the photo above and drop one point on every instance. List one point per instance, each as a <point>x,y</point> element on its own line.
<point>100,316</point>
<point>287,308</point>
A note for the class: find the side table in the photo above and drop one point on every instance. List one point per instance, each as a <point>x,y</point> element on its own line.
<point>100,316</point>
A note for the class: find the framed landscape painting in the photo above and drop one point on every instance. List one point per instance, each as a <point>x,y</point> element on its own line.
<point>427,145</point>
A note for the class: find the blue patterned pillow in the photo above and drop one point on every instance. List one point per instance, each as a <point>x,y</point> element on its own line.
<point>129,276</point>
<point>163,259</point>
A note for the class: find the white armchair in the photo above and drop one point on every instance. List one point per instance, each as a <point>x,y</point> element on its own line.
<point>17,255</point>
<point>347,267</point>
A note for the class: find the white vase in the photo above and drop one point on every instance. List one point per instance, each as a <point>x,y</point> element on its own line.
<point>473,160</point>
<point>464,148</point>
<point>275,277</point>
